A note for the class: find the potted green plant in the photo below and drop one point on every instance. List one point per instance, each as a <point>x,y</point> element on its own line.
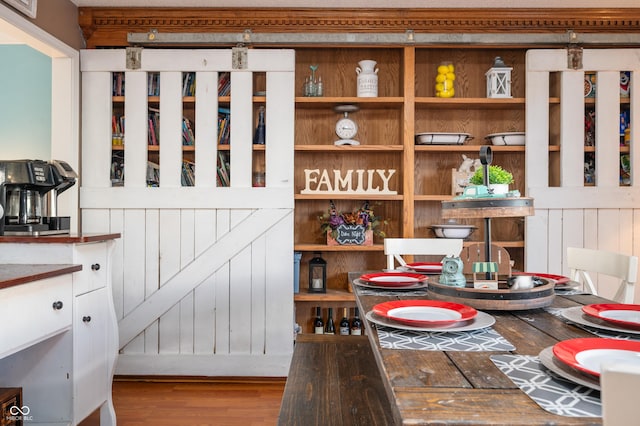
<point>499,179</point>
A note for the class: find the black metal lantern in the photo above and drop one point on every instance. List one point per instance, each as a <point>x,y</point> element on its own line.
<point>317,274</point>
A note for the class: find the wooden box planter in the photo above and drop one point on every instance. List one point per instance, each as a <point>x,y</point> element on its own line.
<point>353,235</point>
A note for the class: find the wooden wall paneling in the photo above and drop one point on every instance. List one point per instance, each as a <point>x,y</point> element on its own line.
<point>240,291</point>
<point>96,101</point>
<point>169,320</point>
<point>277,303</point>
<point>137,116</point>
<point>187,256</point>
<point>171,113</point>
<point>222,289</point>
<point>206,129</point>
<point>280,127</point>
<point>205,293</point>
<point>152,274</point>
<point>134,259</point>
<point>242,128</point>
<point>572,234</point>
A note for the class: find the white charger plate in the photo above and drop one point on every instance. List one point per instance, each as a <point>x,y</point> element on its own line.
<point>480,321</point>
<point>576,315</point>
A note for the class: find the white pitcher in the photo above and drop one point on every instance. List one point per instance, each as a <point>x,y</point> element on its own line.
<point>367,79</point>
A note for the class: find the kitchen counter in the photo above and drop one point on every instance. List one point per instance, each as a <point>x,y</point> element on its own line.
<point>16,274</point>
<point>58,239</point>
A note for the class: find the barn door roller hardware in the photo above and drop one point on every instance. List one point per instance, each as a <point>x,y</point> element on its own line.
<point>409,37</point>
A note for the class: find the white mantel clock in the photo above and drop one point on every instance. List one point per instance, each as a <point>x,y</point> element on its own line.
<point>346,128</point>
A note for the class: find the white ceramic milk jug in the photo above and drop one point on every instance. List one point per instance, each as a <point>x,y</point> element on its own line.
<point>367,79</point>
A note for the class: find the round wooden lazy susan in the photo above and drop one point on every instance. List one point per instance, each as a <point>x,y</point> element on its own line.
<point>502,299</point>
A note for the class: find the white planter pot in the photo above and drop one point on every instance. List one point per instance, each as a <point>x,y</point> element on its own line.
<point>499,188</point>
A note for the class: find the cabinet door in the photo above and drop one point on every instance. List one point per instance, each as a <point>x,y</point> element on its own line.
<point>90,352</point>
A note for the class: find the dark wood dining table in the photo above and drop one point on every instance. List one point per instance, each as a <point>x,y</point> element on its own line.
<point>432,387</point>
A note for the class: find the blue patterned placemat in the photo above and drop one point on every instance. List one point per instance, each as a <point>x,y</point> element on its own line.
<point>550,391</point>
<point>486,339</point>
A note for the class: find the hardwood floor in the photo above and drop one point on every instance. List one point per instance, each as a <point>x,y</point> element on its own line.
<point>205,402</point>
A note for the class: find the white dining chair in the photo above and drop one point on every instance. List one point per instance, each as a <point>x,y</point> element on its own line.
<point>395,248</point>
<point>619,384</point>
<point>582,262</point>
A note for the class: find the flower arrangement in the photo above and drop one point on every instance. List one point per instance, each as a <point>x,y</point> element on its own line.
<point>363,216</point>
<point>497,175</point>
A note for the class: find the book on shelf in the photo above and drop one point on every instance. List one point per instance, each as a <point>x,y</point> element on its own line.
<point>153,174</point>
<point>223,169</point>
<point>118,84</point>
<point>224,125</point>
<point>117,168</point>
<point>224,83</point>
<point>188,136</point>
<point>154,126</point>
<point>188,173</point>
<point>189,84</point>
<point>153,84</point>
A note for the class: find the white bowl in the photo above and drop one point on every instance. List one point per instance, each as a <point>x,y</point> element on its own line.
<point>509,138</point>
<point>442,138</point>
<point>453,231</point>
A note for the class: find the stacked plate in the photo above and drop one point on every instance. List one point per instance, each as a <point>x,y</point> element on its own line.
<point>395,280</point>
<point>580,360</point>
<point>425,267</point>
<point>429,315</point>
<point>617,317</point>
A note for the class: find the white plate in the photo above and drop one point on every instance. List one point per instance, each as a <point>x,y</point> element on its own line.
<point>442,138</point>
<point>424,313</point>
<point>481,320</point>
<point>576,315</point>
<point>592,359</point>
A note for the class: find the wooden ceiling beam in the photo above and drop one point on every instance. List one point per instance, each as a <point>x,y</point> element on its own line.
<point>108,27</point>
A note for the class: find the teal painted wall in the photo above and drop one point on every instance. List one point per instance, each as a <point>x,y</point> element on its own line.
<point>25,103</point>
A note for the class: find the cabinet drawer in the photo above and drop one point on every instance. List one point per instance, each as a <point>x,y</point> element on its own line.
<point>93,258</point>
<point>34,312</point>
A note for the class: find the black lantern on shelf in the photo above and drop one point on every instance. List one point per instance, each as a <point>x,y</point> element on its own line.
<point>317,274</point>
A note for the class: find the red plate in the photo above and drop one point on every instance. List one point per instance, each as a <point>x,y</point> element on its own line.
<point>559,279</point>
<point>424,312</point>
<point>426,267</point>
<point>393,279</point>
<point>625,315</point>
<point>587,354</point>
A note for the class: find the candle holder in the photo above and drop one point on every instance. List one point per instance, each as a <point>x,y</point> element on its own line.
<point>317,274</point>
<point>499,80</point>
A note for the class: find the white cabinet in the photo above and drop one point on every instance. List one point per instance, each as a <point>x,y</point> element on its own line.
<point>66,330</point>
<point>90,323</point>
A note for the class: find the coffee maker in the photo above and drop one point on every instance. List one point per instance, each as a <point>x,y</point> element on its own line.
<point>29,192</point>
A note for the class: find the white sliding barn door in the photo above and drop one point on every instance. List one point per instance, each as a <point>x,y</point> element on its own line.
<point>203,275</point>
<point>568,213</point>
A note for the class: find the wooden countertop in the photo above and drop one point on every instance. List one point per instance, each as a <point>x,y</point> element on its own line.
<point>58,239</point>
<point>16,274</point>
<point>455,387</point>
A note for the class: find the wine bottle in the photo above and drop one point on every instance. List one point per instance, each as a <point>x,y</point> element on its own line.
<point>344,323</point>
<point>330,327</point>
<point>318,323</point>
<point>356,324</point>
